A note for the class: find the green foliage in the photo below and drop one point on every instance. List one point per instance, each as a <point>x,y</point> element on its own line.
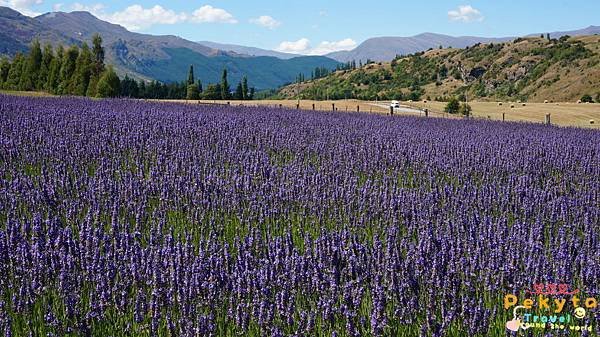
<point>453,106</point>
<point>83,72</point>
<point>191,79</point>
<point>465,109</point>
<point>213,91</point>
<point>587,99</point>
<point>98,53</point>
<point>109,84</point>
<point>239,92</point>
<point>29,78</point>
<point>225,91</point>
<point>47,58</point>
<point>192,92</point>
<point>129,88</point>
<point>245,93</point>
<point>15,73</point>
<point>67,70</point>
<point>4,69</point>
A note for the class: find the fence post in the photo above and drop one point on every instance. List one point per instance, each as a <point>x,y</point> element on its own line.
<point>280,105</point>
<point>228,103</point>
<point>313,106</point>
<point>391,110</point>
<point>333,106</point>
<point>548,119</point>
<point>503,117</point>
<point>297,106</point>
<point>426,112</point>
<point>358,108</point>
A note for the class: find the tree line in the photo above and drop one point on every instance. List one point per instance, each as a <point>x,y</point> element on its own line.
<point>81,71</point>
<point>64,71</point>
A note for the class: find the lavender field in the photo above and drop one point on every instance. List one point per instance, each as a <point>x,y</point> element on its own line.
<point>127,218</point>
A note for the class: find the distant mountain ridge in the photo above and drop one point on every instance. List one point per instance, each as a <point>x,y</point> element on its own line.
<point>386,48</point>
<point>167,58</point>
<point>249,51</point>
<point>164,58</point>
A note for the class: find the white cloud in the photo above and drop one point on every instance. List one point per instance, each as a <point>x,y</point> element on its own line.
<point>22,6</point>
<point>136,17</point>
<point>327,47</point>
<point>465,13</point>
<point>294,47</point>
<point>208,13</point>
<point>266,21</point>
<point>57,7</point>
<point>96,9</point>
<point>304,47</point>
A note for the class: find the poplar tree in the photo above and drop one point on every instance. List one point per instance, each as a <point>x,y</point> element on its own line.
<point>244,88</point>
<point>191,80</point>
<point>224,85</point>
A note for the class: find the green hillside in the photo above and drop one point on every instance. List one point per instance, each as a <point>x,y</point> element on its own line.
<point>527,69</point>
<point>263,72</point>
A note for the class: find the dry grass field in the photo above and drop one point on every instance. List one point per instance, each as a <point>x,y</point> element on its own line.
<point>562,114</point>
<point>341,105</point>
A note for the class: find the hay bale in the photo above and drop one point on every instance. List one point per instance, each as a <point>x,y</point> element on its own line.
<point>592,121</point>
<point>524,104</point>
<point>512,106</point>
<point>546,102</point>
<point>499,103</point>
<point>424,101</point>
<point>579,102</point>
<point>519,101</point>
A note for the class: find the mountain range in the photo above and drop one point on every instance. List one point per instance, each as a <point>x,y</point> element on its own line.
<point>167,58</point>
<point>163,58</point>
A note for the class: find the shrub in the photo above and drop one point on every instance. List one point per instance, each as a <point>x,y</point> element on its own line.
<point>587,99</point>
<point>465,109</point>
<point>453,106</point>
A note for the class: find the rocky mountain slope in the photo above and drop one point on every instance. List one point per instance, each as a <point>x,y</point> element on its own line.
<point>533,69</point>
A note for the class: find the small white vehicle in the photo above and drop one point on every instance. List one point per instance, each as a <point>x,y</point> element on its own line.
<point>395,104</point>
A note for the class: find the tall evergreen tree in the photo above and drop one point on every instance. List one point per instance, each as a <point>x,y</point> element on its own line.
<point>4,69</point>
<point>83,71</point>
<point>98,53</point>
<point>54,71</point>
<point>238,95</point>
<point>47,57</point>
<point>244,88</point>
<point>32,70</point>
<point>199,86</point>
<point>68,70</point>
<point>109,84</point>
<point>191,79</point>
<point>224,86</point>
<point>15,73</point>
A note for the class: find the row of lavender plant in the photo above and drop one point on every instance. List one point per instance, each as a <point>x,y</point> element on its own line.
<point>121,218</point>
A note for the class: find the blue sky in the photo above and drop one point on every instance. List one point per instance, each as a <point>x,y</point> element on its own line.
<point>317,27</point>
